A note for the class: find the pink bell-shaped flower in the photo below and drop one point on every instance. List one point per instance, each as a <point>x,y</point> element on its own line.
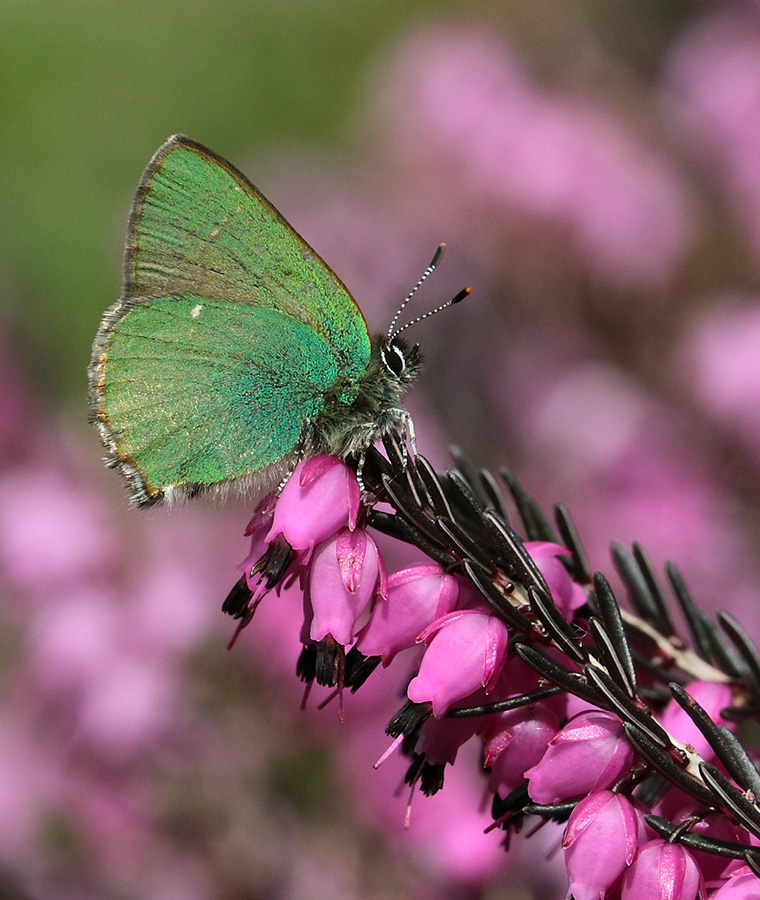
<point>440,739</point>
<point>417,595</point>
<point>567,595</point>
<point>467,651</point>
<point>742,884</point>
<point>589,754</point>
<point>257,530</point>
<point>662,870</point>
<point>517,740</point>
<point>320,497</point>
<point>712,696</point>
<point>343,575</point>
<point>600,842</point>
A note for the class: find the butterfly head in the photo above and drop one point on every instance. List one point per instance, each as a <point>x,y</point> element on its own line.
<point>400,360</point>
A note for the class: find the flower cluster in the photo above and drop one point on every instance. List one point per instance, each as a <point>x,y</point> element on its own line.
<point>602,720</point>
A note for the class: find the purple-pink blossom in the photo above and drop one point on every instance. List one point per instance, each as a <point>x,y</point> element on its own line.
<point>478,643</point>
<point>566,593</point>
<point>712,696</point>
<point>515,741</point>
<point>662,870</point>
<point>320,497</point>
<point>417,595</point>
<point>589,754</point>
<point>343,575</point>
<point>741,884</point>
<point>600,842</point>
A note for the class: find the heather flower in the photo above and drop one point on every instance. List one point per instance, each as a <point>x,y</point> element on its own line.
<point>589,754</point>
<point>343,575</point>
<point>566,593</point>
<point>712,696</point>
<point>441,738</point>
<point>417,595</point>
<point>600,842</point>
<point>662,870</point>
<point>320,497</point>
<point>516,741</point>
<point>477,641</point>
<point>257,529</point>
<point>712,867</point>
<point>742,884</point>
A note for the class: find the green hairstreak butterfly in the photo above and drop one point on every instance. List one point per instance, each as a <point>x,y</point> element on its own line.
<point>234,349</point>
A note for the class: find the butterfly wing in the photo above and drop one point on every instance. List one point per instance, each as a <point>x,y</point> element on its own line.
<point>191,392</point>
<point>198,226</point>
<point>228,334</point>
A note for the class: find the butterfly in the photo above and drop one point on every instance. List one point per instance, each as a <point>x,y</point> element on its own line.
<point>234,350</point>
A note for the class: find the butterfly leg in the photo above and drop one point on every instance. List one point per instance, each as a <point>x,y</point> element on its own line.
<point>404,424</point>
<point>410,432</point>
<point>360,472</point>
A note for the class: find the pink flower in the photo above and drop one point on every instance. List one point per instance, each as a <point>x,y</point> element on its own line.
<point>715,825</point>
<point>320,497</point>
<point>440,739</point>
<point>662,870</point>
<point>590,753</point>
<point>742,884</point>
<point>599,842</point>
<point>257,529</point>
<point>517,740</point>
<point>417,595</point>
<point>712,696</point>
<point>568,595</point>
<point>467,651</point>
<point>343,575</point>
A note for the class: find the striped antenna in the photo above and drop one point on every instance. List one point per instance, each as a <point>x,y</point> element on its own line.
<point>465,292</point>
<point>437,257</point>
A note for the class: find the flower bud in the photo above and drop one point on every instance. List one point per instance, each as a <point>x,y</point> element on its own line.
<point>343,575</point>
<point>257,530</point>
<point>662,870</point>
<point>417,595</point>
<point>517,741</point>
<point>600,842</point>
<point>567,595</point>
<point>712,696</point>
<point>740,885</point>
<point>467,651</point>
<point>320,497</point>
<point>589,754</point>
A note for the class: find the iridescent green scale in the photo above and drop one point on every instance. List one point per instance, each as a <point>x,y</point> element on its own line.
<point>234,348</point>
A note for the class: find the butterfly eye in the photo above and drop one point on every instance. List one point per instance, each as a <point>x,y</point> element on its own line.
<point>394,359</point>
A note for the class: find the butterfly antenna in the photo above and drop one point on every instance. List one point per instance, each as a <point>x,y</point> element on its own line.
<point>437,257</point>
<point>465,292</point>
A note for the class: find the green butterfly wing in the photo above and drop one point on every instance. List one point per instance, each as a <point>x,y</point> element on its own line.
<point>198,226</point>
<point>229,334</point>
<point>194,388</point>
